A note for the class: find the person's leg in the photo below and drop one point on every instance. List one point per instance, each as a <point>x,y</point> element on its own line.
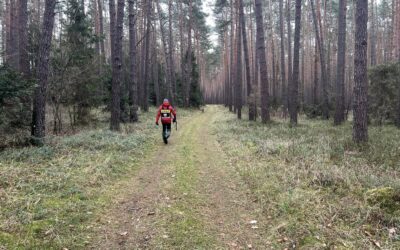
<point>168,132</point>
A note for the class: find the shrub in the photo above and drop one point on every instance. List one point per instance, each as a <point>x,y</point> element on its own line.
<point>383,92</point>
<point>15,103</point>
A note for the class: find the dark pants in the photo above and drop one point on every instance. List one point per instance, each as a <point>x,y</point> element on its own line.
<point>166,130</point>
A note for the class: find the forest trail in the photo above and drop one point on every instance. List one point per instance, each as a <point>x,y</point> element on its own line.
<point>184,196</point>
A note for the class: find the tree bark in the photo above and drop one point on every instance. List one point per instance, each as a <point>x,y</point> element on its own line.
<point>147,57</point>
<point>360,126</point>
<point>250,92</point>
<point>290,59</point>
<point>265,116</point>
<point>188,68</point>
<point>373,35</point>
<point>101,28</point>
<point>171,53</point>
<point>341,64</point>
<point>294,87</point>
<point>14,50</point>
<point>116,52</point>
<point>133,117</point>
<point>23,38</point>
<point>283,65</point>
<point>325,98</point>
<point>232,63</point>
<point>239,78</point>
<point>39,113</point>
<point>166,49</point>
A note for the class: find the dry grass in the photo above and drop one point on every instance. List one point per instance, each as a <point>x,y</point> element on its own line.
<point>317,188</point>
<point>49,195</point>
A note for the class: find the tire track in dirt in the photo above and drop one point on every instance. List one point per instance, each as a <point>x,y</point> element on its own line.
<point>184,196</point>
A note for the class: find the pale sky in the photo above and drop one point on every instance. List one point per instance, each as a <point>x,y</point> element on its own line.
<point>208,6</point>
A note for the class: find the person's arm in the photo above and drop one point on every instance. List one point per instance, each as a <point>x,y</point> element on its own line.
<point>173,111</point>
<point>158,115</point>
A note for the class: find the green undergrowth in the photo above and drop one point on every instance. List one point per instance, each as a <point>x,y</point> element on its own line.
<point>49,195</point>
<point>318,189</point>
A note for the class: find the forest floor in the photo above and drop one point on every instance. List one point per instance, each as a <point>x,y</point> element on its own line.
<point>220,183</point>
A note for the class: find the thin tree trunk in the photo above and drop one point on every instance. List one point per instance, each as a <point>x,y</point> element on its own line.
<point>166,54</point>
<point>14,50</point>
<point>171,53</point>
<point>188,71</point>
<point>265,116</point>
<point>373,35</point>
<point>39,113</point>
<point>232,74</point>
<point>294,87</point>
<point>133,117</point>
<point>147,57</point>
<point>341,64</point>
<point>360,126</point>
<point>283,65</point>
<point>23,38</point>
<point>316,80</point>
<point>250,92</point>
<point>239,78</point>
<point>101,28</point>
<point>290,59</point>
<point>325,98</point>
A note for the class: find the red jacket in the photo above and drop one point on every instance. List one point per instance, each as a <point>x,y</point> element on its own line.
<point>165,112</point>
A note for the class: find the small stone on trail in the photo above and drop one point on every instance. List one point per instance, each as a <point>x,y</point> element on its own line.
<point>254,227</point>
<point>165,236</point>
<point>249,246</point>
<point>124,234</point>
<point>253,222</point>
<point>151,213</point>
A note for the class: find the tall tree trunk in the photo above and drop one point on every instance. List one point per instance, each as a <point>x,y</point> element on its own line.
<point>325,97</point>
<point>116,52</point>
<point>171,52</point>
<point>101,28</point>
<point>14,50</point>
<point>283,65</point>
<point>265,116</point>
<point>182,46</point>
<point>250,92</point>
<point>239,77</point>
<point>398,59</point>
<point>7,21</point>
<point>232,63</point>
<point>294,87</point>
<point>147,57</point>
<point>341,63</point>
<point>316,80</point>
<point>133,117</point>
<point>188,68</point>
<point>360,126</point>
<point>290,59</point>
<point>165,49</point>
<point>373,35</point>
<point>23,38</point>
<point>39,113</point>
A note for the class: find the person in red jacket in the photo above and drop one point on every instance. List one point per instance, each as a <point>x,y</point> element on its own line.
<point>168,115</point>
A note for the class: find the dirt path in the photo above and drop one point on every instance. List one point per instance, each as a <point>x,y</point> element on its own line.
<point>185,196</point>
